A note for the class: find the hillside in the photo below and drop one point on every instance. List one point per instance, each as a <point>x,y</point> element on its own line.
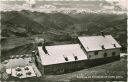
<point>55,28</point>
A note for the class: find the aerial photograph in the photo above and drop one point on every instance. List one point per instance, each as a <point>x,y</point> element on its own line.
<point>63,40</point>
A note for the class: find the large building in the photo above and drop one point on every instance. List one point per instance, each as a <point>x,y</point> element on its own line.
<point>60,58</point>
<point>89,51</point>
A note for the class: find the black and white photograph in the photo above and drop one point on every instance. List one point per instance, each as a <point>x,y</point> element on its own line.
<point>63,40</point>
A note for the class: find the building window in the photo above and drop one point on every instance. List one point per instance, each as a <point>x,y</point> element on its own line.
<point>105,54</point>
<point>96,52</point>
<point>121,49</point>
<point>89,56</point>
<point>113,53</point>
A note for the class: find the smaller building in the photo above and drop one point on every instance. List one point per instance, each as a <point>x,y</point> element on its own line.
<point>100,46</point>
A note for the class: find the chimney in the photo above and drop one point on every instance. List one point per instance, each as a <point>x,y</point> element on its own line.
<point>33,53</point>
<point>102,33</point>
<point>75,57</point>
<point>43,47</point>
<point>66,58</point>
<point>114,45</point>
<point>102,47</point>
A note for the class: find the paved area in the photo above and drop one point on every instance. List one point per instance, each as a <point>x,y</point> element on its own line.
<point>22,63</point>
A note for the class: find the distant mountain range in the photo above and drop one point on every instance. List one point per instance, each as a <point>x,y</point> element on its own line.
<point>64,7</point>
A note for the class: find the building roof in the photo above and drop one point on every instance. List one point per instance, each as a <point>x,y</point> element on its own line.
<point>57,54</point>
<point>93,43</point>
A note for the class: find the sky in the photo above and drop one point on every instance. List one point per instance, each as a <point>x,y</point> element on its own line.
<point>54,0</point>
<point>122,3</point>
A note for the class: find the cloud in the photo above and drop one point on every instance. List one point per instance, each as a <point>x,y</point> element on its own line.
<point>123,3</point>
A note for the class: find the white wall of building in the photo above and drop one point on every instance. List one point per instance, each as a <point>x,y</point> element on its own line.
<point>101,53</point>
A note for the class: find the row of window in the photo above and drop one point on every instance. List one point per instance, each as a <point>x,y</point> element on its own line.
<point>113,54</point>
<point>105,54</point>
<point>96,53</point>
